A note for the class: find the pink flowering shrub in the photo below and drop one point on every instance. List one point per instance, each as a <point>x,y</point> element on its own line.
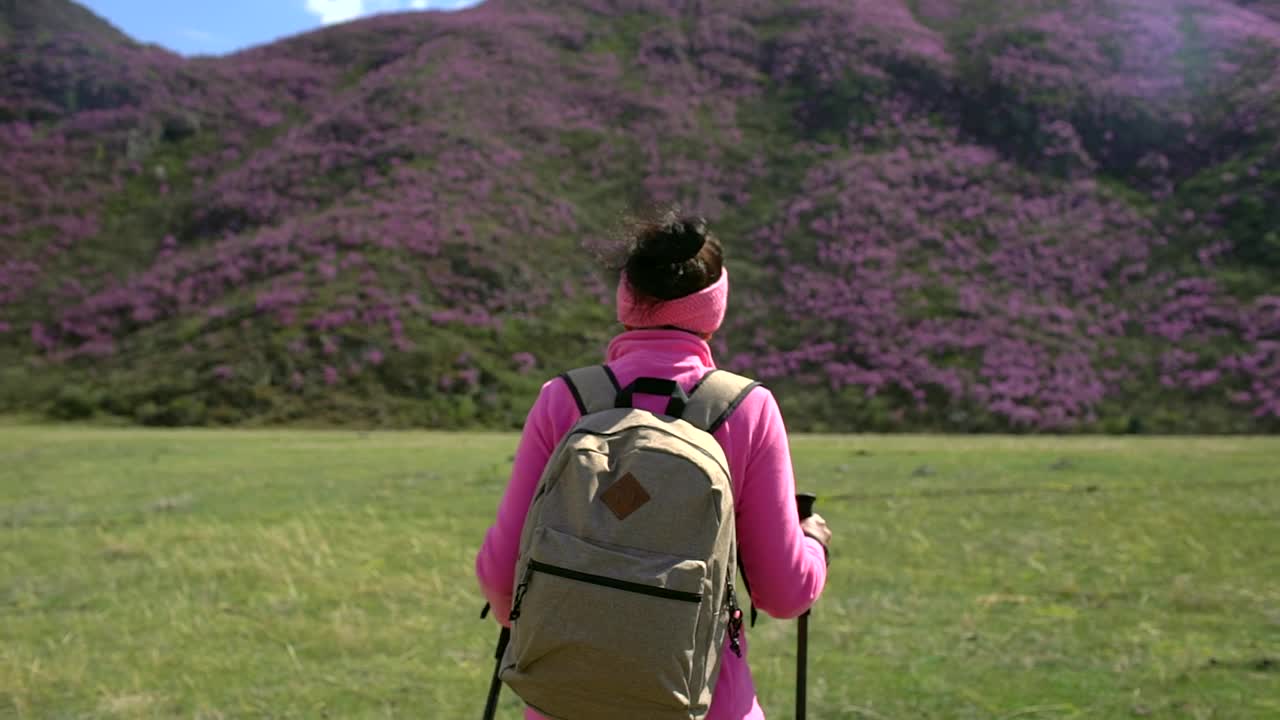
<point>956,214</point>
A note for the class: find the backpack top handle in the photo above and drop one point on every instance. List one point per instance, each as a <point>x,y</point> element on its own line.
<point>707,406</point>
<point>655,386</point>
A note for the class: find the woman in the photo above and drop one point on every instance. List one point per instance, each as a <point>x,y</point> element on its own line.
<point>671,299</point>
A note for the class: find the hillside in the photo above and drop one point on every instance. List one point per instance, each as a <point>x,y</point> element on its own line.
<point>56,17</point>
<point>941,214</point>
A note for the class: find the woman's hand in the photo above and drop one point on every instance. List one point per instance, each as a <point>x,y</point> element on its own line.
<point>816,527</point>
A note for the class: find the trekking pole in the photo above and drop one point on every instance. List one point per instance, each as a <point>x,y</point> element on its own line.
<point>804,506</point>
<point>495,685</point>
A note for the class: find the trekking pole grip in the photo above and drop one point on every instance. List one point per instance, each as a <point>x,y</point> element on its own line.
<point>804,508</point>
<point>804,504</point>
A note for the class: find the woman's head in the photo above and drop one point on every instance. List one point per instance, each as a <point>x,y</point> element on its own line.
<point>673,257</point>
<point>674,277</point>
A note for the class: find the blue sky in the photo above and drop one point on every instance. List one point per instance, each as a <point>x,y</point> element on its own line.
<point>195,27</point>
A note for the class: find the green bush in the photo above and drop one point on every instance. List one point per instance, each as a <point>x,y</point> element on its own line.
<point>74,402</point>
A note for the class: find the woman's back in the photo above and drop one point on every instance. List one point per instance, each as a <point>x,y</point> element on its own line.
<point>786,569</point>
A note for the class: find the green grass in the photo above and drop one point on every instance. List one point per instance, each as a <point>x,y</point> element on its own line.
<point>287,574</point>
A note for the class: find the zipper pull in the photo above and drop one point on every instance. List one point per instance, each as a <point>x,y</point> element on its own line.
<point>735,622</point>
<point>735,631</point>
<point>521,589</point>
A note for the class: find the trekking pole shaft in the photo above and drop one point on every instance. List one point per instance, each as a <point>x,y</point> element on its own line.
<point>491,705</point>
<point>802,665</point>
<point>495,685</point>
<point>804,508</point>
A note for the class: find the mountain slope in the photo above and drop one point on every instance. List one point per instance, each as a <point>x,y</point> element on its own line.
<point>940,214</point>
<point>55,17</point>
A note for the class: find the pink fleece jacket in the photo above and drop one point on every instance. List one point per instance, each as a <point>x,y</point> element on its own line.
<point>786,569</point>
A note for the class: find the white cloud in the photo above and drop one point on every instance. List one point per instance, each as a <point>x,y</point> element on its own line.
<point>336,11</point>
<point>442,4</point>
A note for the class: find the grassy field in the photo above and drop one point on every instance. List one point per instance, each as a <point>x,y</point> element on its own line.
<point>329,575</point>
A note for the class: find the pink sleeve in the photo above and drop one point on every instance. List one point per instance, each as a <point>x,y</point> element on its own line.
<point>786,569</point>
<point>547,421</point>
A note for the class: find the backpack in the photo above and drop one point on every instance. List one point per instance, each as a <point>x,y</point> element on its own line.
<point>624,582</point>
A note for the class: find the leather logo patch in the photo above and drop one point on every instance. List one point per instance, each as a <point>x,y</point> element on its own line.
<point>625,496</point>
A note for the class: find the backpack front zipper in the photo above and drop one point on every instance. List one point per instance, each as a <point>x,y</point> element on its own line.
<point>638,588</point>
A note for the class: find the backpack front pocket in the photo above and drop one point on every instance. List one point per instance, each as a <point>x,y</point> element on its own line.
<point>591,621</point>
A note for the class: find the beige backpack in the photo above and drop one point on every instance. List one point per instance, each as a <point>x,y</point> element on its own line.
<point>624,583</point>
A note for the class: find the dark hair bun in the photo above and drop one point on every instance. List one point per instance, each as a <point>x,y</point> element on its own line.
<point>673,257</point>
<point>676,240</point>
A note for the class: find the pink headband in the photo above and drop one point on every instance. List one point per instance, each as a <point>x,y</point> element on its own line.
<point>702,312</point>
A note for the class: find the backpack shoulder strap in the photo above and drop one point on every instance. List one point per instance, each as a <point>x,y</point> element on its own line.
<point>715,397</point>
<point>594,388</point>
